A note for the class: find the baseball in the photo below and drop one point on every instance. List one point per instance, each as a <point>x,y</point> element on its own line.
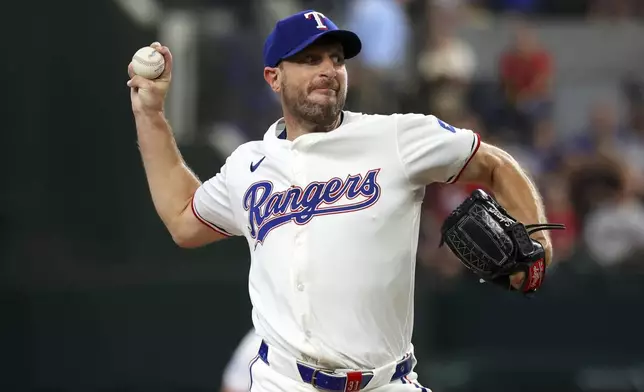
<point>147,62</point>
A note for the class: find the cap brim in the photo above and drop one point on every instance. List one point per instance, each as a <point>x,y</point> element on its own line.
<point>349,40</point>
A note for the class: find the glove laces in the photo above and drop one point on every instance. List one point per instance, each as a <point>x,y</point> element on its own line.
<point>544,226</point>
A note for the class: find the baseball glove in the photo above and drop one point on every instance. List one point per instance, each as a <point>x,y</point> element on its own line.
<point>494,245</point>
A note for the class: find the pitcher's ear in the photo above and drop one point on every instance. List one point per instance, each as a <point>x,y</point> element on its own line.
<point>273,78</point>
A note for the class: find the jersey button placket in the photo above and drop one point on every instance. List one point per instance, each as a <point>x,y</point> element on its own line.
<point>300,264</point>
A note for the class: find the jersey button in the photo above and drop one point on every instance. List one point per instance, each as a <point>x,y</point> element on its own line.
<point>300,287</point>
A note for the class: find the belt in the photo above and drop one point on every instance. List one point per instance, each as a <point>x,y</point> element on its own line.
<point>352,381</point>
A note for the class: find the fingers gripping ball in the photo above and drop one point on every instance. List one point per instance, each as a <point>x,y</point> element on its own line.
<point>148,63</point>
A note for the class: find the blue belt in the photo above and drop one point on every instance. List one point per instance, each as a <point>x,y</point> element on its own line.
<point>348,382</point>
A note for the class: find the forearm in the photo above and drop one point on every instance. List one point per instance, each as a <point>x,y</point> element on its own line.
<point>171,182</point>
<point>514,190</point>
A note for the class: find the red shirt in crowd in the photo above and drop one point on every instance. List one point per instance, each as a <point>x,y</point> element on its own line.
<point>526,73</point>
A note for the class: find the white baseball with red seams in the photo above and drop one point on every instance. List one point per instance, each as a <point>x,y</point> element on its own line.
<point>147,62</point>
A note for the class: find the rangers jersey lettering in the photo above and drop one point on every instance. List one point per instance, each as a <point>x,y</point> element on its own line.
<point>268,210</point>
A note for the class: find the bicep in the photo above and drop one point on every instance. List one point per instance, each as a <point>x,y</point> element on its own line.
<point>194,232</point>
<point>481,168</point>
<point>209,216</point>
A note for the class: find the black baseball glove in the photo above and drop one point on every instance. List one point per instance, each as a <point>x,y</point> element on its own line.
<point>494,245</point>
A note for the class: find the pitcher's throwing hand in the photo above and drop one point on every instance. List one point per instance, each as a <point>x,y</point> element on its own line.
<point>149,94</point>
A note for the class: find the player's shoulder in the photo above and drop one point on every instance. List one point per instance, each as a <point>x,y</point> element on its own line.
<point>431,122</point>
<point>357,117</point>
<point>245,149</point>
<point>372,125</point>
<point>401,122</point>
<point>415,117</point>
<point>398,123</point>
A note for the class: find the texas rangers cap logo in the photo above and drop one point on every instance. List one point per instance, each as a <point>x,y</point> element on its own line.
<point>318,16</point>
<point>295,33</point>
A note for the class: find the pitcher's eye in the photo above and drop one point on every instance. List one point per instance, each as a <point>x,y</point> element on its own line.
<point>338,59</point>
<point>308,59</point>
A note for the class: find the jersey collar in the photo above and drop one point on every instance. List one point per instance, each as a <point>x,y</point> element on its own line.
<point>278,129</point>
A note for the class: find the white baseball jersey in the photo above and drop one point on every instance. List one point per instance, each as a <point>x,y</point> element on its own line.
<point>236,376</point>
<point>332,223</point>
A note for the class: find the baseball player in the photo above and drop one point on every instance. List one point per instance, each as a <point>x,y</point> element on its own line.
<point>329,201</point>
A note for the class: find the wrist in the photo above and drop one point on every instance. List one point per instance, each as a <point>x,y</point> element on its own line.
<point>149,113</point>
<point>547,246</point>
<point>150,120</point>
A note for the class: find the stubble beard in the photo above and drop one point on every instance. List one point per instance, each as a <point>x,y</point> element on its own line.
<point>323,116</point>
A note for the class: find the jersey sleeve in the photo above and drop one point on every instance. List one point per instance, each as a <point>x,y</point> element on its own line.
<point>432,150</point>
<point>211,205</point>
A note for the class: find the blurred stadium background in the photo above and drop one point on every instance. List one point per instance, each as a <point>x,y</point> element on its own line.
<point>95,296</point>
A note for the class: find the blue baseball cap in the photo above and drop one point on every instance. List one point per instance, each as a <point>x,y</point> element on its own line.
<point>293,34</point>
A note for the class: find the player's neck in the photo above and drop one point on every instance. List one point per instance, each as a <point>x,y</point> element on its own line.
<point>296,127</point>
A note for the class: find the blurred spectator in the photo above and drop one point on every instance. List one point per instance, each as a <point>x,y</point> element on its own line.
<point>592,182</point>
<point>378,72</point>
<point>541,157</point>
<point>546,149</point>
<point>526,73</point>
<point>446,65</point>
<point>603,135</point>
<point>614,230</point>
